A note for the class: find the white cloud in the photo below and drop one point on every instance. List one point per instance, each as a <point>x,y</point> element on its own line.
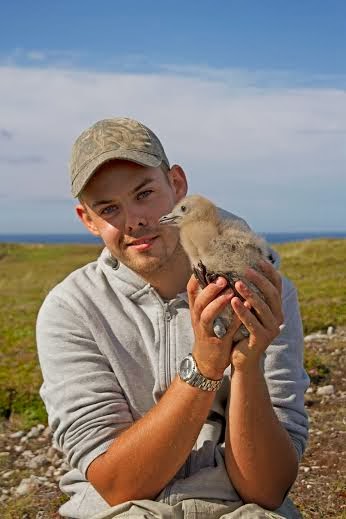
<point>275,155</point>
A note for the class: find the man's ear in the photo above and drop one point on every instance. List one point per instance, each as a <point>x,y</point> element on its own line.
<point>83,215</point>
<point>178,181</point>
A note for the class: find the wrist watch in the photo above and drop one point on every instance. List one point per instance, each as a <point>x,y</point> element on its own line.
<point>189,373</point>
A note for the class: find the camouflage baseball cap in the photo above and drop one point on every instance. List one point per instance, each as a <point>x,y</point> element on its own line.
<point>118,138</point>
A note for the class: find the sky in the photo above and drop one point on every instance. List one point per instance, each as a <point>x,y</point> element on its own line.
<point>248,97</point>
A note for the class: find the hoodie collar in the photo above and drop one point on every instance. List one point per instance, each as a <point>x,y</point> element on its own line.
<point>129,282</point>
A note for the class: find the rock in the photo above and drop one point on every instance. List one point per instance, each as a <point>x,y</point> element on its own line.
<point>49,484</point>
<point>55,444</point>
<point>316,337</point>
<point>326,390</point>
<point>309,390</point>
<point>18,448</point>
<point>65,466</point>
<point>38,461</point>
<point>4,454</point>
<point>51,453</point>
<point>56,461</point>
<point>33,433</point>
<point>47,433</point>
<point>27,485</point>
<point>330,330</point>
<point>28,453</point>
<point>43,479</point>
<point>50,472</point>
<point>8,474</point>
<point>16,435</point>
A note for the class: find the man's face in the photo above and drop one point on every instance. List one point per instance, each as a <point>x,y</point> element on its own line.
<point>122,204</point>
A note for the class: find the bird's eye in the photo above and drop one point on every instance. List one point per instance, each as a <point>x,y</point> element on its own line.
<point>183,208</point>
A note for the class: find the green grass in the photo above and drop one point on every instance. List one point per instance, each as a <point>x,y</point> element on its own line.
<point>317,267</point>
<point>28,272</point>
<point>27,506</point>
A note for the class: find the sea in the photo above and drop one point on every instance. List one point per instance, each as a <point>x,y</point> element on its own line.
<point>271,237</point>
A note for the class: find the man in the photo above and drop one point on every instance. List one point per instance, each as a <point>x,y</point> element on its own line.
<point>158,417</point>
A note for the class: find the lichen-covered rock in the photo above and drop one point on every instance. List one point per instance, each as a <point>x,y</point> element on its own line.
<point>326,390</point>
<point>27,485</point>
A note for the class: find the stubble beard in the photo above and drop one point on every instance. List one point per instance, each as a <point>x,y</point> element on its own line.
<point>148,264</point>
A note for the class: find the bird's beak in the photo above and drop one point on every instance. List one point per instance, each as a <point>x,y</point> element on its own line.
<point>169,219</point>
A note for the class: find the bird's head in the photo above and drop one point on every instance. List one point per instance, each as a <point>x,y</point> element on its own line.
<point>192,208</point>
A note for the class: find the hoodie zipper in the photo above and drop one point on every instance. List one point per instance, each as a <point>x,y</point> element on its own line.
<point>168,318</point>
<point>167,369</point>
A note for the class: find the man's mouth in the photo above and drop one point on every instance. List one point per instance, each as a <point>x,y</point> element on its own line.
<point>142,243</point>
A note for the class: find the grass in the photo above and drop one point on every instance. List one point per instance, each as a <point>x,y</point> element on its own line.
<point>28,272</point>
<point>317,267</point>
<point>27,506</point>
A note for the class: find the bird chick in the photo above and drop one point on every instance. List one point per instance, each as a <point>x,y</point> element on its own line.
<point>217,247</point>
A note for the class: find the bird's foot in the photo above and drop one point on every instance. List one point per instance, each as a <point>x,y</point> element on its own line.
<point>199,273</point>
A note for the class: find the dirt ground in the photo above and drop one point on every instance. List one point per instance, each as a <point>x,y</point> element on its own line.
<point>320,489</point>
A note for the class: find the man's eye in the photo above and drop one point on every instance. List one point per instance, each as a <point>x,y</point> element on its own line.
<point>144,194</point>
<point>109,210</point>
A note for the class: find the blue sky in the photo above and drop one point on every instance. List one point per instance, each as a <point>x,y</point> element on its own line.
<point>250,97</point>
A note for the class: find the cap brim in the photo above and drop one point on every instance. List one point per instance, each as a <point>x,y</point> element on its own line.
<point>138,157</point>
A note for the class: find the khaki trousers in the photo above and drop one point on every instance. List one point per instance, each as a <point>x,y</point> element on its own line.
<point>197,509</point>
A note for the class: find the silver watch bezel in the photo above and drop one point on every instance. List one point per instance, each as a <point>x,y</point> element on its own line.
<point>196,379</point>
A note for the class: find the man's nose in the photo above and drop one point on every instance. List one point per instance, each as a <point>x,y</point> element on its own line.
<point>135,219</point>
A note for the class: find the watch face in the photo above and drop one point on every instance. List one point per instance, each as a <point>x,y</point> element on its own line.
<point>186,368</point>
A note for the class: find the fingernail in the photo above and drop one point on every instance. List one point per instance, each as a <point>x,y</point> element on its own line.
<point>220,282</point>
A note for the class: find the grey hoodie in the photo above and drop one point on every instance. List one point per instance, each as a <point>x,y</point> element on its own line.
<point>109,347</point>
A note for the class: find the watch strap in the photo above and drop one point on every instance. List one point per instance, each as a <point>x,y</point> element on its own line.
<point>199,380</point>
<point>202,382</point>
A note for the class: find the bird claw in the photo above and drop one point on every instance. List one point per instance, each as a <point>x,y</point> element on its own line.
<point>206,277</point>
<point>200,274</point>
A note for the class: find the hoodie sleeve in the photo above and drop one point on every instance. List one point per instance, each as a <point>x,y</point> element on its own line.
<point>86,407</point>
<point>284,371</point>
<point>230,216</point>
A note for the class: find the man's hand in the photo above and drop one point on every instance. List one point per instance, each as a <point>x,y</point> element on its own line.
<point>212,355</point>
<point>264,325</point>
